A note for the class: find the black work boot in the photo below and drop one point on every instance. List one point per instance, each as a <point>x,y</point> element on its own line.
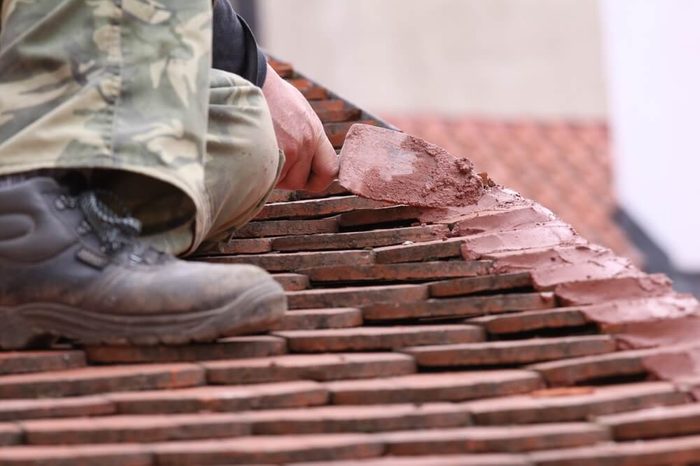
<point>71,267</point>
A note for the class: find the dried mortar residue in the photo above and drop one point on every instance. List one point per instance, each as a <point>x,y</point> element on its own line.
<point>390,166</point>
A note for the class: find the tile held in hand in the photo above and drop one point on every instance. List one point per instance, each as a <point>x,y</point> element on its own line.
<point>387,165</point>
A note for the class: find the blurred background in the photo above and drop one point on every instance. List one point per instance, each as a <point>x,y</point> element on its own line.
<point>589,107</point>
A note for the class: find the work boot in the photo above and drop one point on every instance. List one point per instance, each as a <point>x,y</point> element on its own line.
<point>72,267</point>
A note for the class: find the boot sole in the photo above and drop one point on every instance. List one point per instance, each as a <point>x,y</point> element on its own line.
<point>254,311</point>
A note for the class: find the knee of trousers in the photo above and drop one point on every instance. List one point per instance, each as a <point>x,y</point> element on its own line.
<point>243,159</point>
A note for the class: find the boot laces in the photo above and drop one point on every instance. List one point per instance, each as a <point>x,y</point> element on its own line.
<point>115,230</point>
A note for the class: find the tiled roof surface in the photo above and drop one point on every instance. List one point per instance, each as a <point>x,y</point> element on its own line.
<point>564,165</point>
<point>495,337</point>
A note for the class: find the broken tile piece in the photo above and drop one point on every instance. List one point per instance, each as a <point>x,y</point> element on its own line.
<point>387,165</point>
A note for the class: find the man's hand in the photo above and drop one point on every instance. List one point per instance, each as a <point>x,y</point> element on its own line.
<point>311,162</point>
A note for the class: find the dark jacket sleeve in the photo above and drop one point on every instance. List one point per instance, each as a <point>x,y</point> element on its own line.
<point>234,46</point>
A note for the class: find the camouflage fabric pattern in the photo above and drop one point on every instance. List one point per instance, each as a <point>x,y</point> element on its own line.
<point>124,85</point>
<point>242,161</point>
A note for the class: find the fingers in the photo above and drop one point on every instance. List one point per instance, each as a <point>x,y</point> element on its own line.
<point>298,172</point>
<point>324,166</point>
<point>311,173</point>
<point>288,162</point>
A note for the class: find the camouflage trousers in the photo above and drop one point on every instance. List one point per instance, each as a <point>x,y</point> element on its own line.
<point>124,91</point>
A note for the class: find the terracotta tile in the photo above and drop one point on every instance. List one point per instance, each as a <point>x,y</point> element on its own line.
<point>676,363</point>
<point>285,70</point>
<point>442,460</point>
<point>431,250</point>
<point>84,455</point>
<point>529,321</point>
<point>596,291</point>
<point>321,367</point>
<point>287,228</point>
<point>423,388</point>
<point>553,161</point>
<point>316,319</point>
<point>384,171</point>
<point>627,311</point>
<point>510,439</point>
<point>94,380</point>
<point>229,348</point>
<point>368,217</point>
<point>410,271</point>
<point>309,90</point>
<point>334,189</point>
<point>39,361</point>
<point>316,207</point>
<point>683,450</point>
<point>465,286</point>
<point>551,267</point>
<point>360,239</point>
<point>221,399</point>
<point>549,279</point>
<point>493,201</point>
<point>528,159</point>
<point>330,115</point>
<point>10,434</point>
<point>355,296</point>
<point>243,246</point>
<point>134,429</point>
<point>336,132</point>
<point>295,261</point>
<point>269,450</point>
<point>578,406</point>
<point>280,195</point>
<point>343,419</point>
<point>511,352</point>
<point>576,370</point>
<point>292,281</point>
<point>15,410</point>
<point>329,104</point>
<point>659,333</point>
<point>519,217</point>
<point>458,307</point>
<point>378,338</point>
<point>551,235</point>
<point>654,423</point>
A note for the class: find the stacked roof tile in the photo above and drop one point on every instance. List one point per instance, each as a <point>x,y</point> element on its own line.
<point>494,335</point>
<point>564,165</point>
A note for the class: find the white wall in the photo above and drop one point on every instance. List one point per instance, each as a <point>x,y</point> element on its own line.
<point>486,57</point>
<point>654,81</point>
